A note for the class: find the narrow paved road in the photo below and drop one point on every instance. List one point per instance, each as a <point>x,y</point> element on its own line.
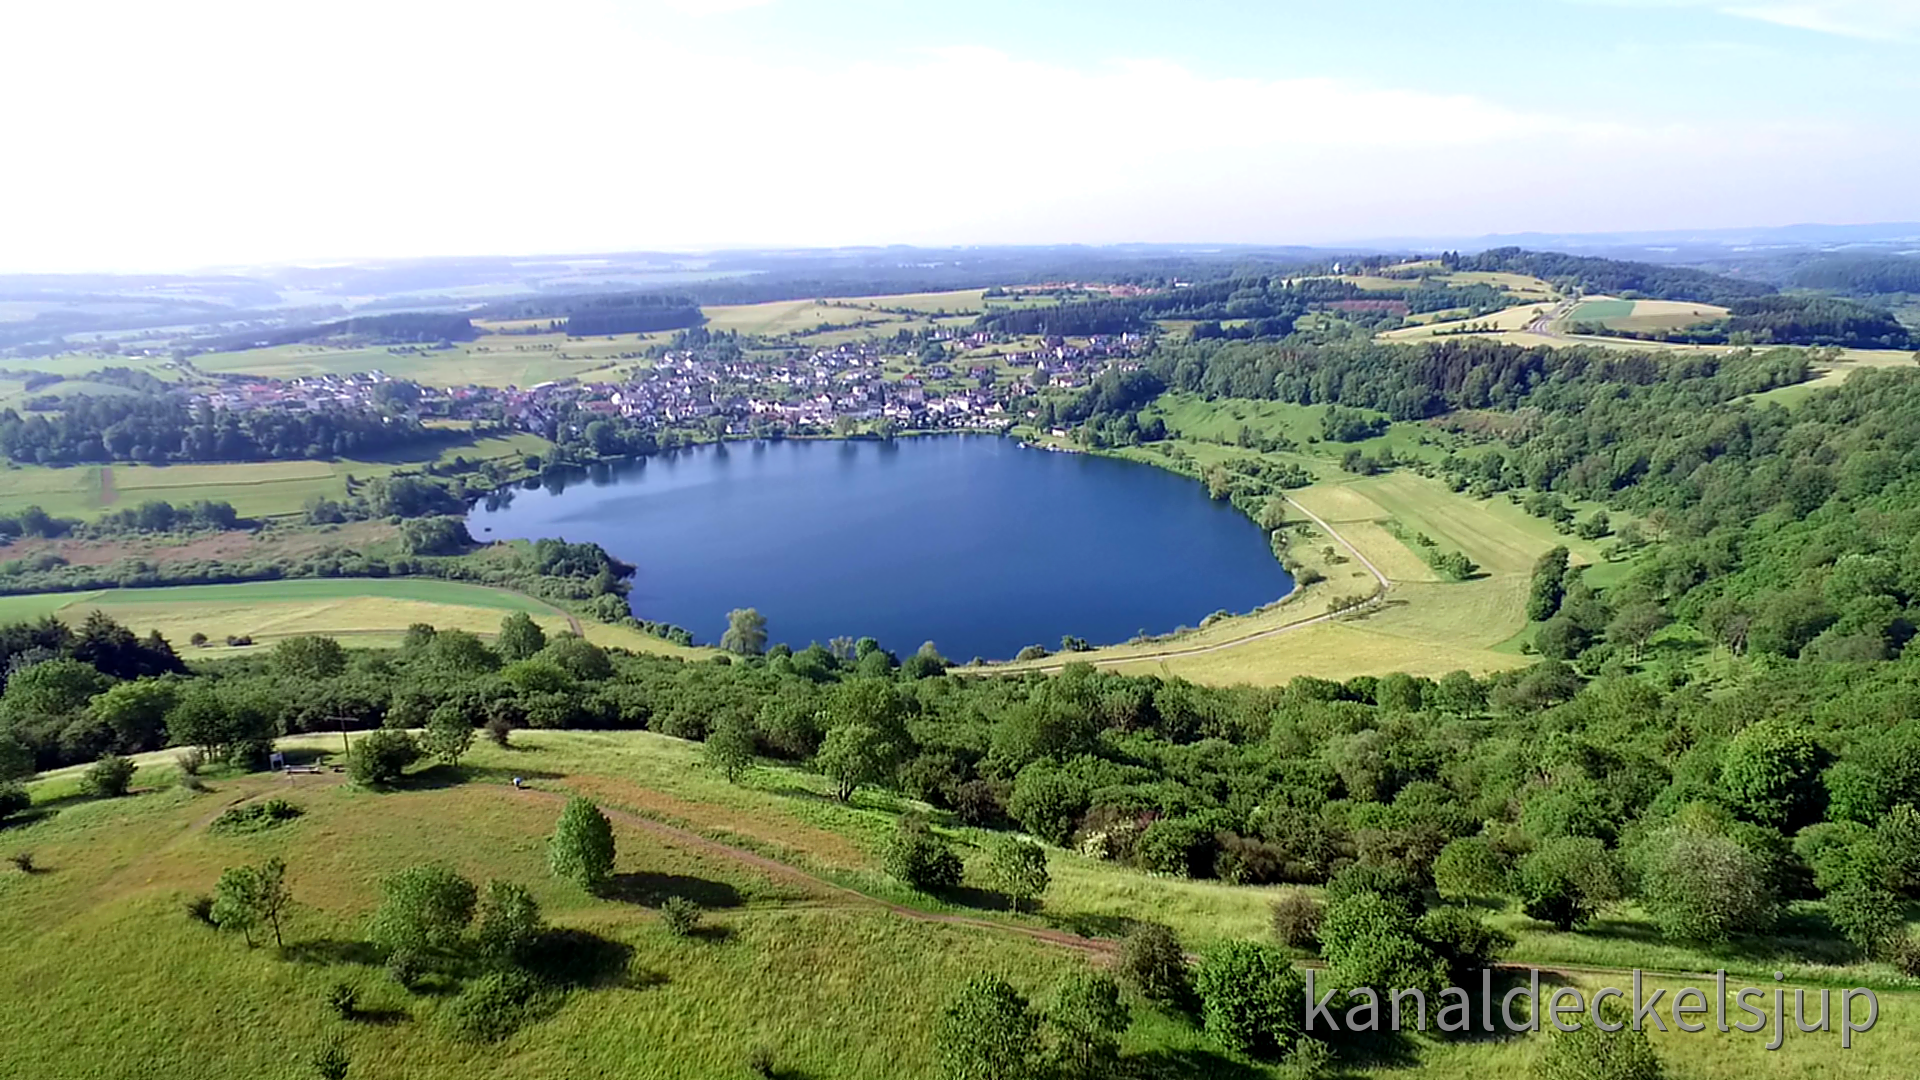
<point>1379,594</point>
<point>1544,324</point>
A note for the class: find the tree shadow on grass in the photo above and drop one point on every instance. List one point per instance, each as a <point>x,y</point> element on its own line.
<point>330,951</point>
<point>579,960</point>
<point>652,890</point>
<point>1188,1064</point>
<point>381,1017</point>
<point>441,776</point>
<point>973,896</point>
<point>795,791</point>
<point>1089,925</point>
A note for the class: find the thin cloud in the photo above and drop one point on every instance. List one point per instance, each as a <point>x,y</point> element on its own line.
<point>713,7</point>
<point>1873,20</point>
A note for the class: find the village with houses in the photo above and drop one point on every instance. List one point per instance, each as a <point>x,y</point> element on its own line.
<point>954,382</point>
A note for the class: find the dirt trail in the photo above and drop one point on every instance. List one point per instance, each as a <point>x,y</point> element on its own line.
<point>777,869</point>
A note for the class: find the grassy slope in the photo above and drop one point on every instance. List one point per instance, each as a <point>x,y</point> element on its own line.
<point>361,611</point>
<point>111,978</point>
<point>1426,627</point>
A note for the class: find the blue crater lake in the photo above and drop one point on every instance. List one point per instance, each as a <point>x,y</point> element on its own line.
<point>975,543</point>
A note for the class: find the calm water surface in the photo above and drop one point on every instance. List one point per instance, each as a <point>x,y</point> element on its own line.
<point>971,542</point>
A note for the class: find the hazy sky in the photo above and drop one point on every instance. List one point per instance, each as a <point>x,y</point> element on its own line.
<point>145,135</point>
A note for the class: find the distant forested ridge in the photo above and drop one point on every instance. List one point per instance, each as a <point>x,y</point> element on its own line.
<point>156,429</point>
<point>1818,320</point>
<point>605,313</point>
<point>1612,276</point>
<point>402,328</point>
<point>1069,320</point>
<point>1469,373</point>
<point>1861,275</point>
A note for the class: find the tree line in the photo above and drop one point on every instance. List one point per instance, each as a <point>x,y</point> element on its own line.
<point>163,429</point>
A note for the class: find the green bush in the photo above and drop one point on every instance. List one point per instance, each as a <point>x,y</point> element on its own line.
<point>1250,998</point>
<point>1592,1054</point>
<point>1153,962</point>
<point>254,818</point>
<point>381,757</point>
<point>987,1032</point>
<point>1707,888</point>
<point>1468,868</point>
<point>920,860</point>
<point>1296,920</point>
<point>680,916</point>
<point>343,1000</point>
<point>494,1006</point>
<point>13,799</point>
<point>109,777</point>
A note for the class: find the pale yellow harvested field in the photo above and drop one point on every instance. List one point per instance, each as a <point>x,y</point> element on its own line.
<point>267,621</point>
<point>1392,556</point>
<point>1510,319</point>
<point>1338,502</point>
<point>1515,283</point>
<point>1655,314</point>
<point>1336,650</point>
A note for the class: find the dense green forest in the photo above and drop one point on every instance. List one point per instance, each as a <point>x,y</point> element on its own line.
<point>613,313</point>
<point>1817,320</point>
<point>1860,275</point>
<point>156,429</point>
<point>1612,276</point>
<point>402,328</point>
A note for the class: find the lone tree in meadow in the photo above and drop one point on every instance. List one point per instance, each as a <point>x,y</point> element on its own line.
<point>729,746</point>
<point>746,632</point>
<point>1018,868</point>
<point>247,897</point>
<point>449,735</point>
<point>582,849</point>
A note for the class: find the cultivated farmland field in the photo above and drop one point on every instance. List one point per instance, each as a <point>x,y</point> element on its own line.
<point>266,610</point>
<point>493,360</point>
<point>1645,315</point>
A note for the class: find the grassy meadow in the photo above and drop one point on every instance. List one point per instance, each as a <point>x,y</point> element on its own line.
<point>108,975</point>
<point>1424,625</point>
<point>359,611</point>
<point>492,360</point>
